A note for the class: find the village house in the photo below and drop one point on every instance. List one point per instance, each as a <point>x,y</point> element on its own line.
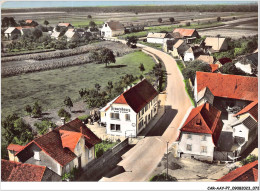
<point>67,25</point>
<point>129,113</point>
<point>31,23</point>
<point>158,38</point>
<point>248,172</point>
<point>11,32</point>
<point>63,148</point>
<point>112,28</point>
<point>206,58</point>
<point>245,129</point>
<point>179,48</point>
<point>188,34</point>
<point>56,35</point>
<point>168,44</point>
<point>12,171</point>
<point>215,44</point>
<point>189,55</point>
<point>71,34</point>
<point>228,90</point>
<point>248,64</point>
<point>199,135</point>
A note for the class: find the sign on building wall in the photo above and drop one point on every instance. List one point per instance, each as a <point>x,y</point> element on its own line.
<point>120,110</point>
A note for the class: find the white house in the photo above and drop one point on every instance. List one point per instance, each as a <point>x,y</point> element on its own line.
<point>158,38</point>
<point>129,113</point>
<point>11,31</point>
<point>71,34</point>
<point>200,133</point>
<point>112,28</point>
<point>188,55</point>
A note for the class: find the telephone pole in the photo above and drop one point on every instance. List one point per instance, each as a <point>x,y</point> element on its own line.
<point>167,162</point>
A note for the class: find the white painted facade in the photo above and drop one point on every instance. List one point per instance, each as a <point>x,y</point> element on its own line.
<point>244,67</point>
<point>188,56</point>
<point>106,31</point>
<point>122,120</point>
<point>156,40</point>
<point>241,131</point>
<point>199,146</point>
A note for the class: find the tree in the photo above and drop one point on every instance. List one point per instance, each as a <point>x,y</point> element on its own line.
<point>63,113</point>
<point>131,40</point>
<point>218,19</point>
<point>159,20</point>
<point>110,86</point>
<point>187,24</point>
<point>89,16</point>
<point>141,67</point>
<point>37,33</point>
<point>171,19</point>
<point>28,109</point>
<point>43,126</point>
<point>46,23</point>
<point>92,24</point>
<point>97,86</point>
<point>37,110</point>
<point>68,102</point>
<point>107,56</point>
<point>230,68</point>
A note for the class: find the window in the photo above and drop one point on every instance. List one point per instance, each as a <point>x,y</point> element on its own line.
<point>114,115</point>
<point>203,137</point>
<point>115,127</point>
<point>105,25</point>
<point>146,107</point>
<point>203,149</point>
<point>90,154</point>
<point>189,147</point>
<point>189,136</point>
<point>37,155</point>
<point>140,125</point>
<point>142,111</point>
<point>127,117</point>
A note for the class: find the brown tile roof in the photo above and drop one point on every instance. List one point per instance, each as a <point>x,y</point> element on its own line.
<point>206,58</point>
<point>15,148</point>
<point>251,108</point>
<point>138,96</point>
<point>228,86</point>
<point>115,25</point>
<point>215,43</point>
<point>51,143</point>
<point>184,32</point>
<point>248,172</point>
<point>204,119</point>
<point>21,172</point>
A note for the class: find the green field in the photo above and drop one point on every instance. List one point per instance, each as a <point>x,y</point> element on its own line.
<point>51,87</point>
<point>86,22</point>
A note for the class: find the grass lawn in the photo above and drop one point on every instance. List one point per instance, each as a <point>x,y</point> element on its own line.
<point>51,87</point>
<point>85,22</point>
<point>153,45</point>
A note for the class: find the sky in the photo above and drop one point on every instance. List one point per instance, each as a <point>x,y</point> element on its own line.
<point>35,4</point>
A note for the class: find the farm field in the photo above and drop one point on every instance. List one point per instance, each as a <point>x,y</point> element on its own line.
<point>51,87</point>
<point>148,19</point>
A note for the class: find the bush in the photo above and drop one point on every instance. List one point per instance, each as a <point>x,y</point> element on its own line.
<point>63,113</point>
<point>249,159</point>
<point>162,177</point>
<point>187,24</point>
<point>37,110</point>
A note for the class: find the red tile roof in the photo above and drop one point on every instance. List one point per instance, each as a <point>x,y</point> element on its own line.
<point>70,139</point>
<point>138,96</point>
<point>251,108</point>
<point>64,24</point>
<point>204,119</point>
<point>214,67</point>
<point>15,148</point>
<point>21,172</point>
<point>228,86</point>
<point>248,172</point>
<point>51,143</point>
<point>184,32</point>
<point>28,21</point>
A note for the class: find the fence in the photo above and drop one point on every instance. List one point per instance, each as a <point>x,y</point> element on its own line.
<point>108,160</point>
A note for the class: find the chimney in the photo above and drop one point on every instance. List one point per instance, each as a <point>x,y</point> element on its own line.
<point>63,120</point>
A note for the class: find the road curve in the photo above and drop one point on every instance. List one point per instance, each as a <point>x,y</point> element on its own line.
<point>141,160</point>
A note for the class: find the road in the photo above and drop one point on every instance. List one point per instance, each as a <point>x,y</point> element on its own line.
<point>141,160</point>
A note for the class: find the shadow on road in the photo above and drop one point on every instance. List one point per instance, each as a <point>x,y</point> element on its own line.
<point>164,122</point>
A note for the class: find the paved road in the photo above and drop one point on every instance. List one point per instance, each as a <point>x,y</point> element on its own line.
<point>141,160</point>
